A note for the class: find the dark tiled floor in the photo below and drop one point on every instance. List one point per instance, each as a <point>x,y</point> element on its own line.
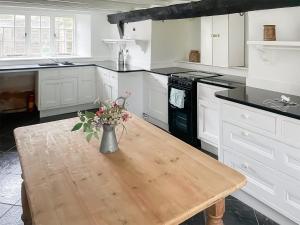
<point>237,213</point>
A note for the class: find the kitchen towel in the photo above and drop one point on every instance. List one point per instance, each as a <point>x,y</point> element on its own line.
<point>177,98</point>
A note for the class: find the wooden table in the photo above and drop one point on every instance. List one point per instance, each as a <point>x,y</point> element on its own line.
<point>153,179</point>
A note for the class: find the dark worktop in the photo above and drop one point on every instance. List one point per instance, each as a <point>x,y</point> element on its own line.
<point>167,71</point>
<point>225,81</point>
<point>260,99</point>
<point>110,65</point>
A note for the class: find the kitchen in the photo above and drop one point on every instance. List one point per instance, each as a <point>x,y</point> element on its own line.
<point>235,97</point>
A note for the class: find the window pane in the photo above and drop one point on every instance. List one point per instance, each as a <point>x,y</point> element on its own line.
<point>1,34</point>
<point>69,47</point>
<point>64,35</point>
<point>8,48</point>
<point>35,21</point>
<point>20,48</point>
<point>68,23</point>
<point>45,35</point>
<point>45,22</point>
<point>69,35</point>
<point>8,34</point>
<point>20,21</point>
<point>35,36</point>
<point>6,20</point>
<point>20,34</point>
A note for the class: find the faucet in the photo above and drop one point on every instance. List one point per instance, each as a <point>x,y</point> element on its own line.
<point>54,60</point>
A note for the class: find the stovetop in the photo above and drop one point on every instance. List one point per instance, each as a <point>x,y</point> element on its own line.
<point>194,75</point>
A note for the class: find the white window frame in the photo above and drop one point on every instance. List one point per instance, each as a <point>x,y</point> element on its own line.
<point>74,36</point>
<point>52,16</point>
<point>14,27</point>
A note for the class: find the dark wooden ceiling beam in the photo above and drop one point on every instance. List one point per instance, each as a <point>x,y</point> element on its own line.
<point>199,9</point>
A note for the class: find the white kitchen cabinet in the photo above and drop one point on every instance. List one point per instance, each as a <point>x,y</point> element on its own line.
<point>156,96</point>
<point>49,94</point>
<point>65,88</point>
<point>87,85</point>
<point>68,91</point>
<point>257,143</point>
<point>208,114</point>
<point>107,84</point>
<point>223,40</point>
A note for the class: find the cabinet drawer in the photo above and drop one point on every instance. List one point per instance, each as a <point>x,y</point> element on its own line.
<point>290,130</point>
<point>262,182</point>
<point>250,118</point>
<point>207,92</point>
<point>266,150</point>
<point>273,188</point>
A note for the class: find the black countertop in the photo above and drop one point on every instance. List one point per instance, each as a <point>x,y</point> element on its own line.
<point>225,81</point>
<point>262,99</point>
<point>113,66</point>
<point>110,65</point>
<point>167,71</point>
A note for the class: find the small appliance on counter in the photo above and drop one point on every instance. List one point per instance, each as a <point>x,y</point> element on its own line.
<point>182,89</point>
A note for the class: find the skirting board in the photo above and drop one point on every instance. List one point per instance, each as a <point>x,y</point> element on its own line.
<point>59,111</point>
<point>156,122</point>
<point>262,208</point>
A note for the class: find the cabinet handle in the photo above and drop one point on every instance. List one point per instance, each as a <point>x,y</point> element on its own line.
<point>245,116</point>
<point>245,133</point>
<point>245,166</point>
<point>215,35</point>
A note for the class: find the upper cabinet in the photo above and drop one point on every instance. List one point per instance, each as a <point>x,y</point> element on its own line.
<point>223,40</point>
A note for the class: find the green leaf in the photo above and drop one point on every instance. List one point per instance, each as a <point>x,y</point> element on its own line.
<point>77,126</point>
<point>85,127</point>
<point>89,115</point>
<point>82,118</point>
<point>89,137</point>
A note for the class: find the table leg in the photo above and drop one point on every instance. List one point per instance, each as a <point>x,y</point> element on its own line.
<point>215,213</point>
<point>26,216</point>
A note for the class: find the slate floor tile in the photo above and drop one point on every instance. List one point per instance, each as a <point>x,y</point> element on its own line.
<point>6,142</point>
<point>263,220</point>
<point>4,208</point>
<point>10,163</point>
<point>10,189</point>
<point>196,220</point>
<point>238,213</point>
<point>12,217</point>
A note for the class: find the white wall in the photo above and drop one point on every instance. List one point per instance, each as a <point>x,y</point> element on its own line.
<point>275,69</point>
<point>172,40</point>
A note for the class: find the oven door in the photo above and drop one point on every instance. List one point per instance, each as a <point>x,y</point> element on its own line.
<point>180,120</point>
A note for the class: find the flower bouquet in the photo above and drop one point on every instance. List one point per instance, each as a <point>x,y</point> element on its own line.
<point>109,115</point>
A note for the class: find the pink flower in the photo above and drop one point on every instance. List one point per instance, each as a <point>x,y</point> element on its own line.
<point>100,111</point>
<point>125,117</point>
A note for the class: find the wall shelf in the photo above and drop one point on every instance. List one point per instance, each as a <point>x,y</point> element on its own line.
<point>119,41</point>
<point>291,45</point>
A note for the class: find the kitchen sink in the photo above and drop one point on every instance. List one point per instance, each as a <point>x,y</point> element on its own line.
<point>48,64</point>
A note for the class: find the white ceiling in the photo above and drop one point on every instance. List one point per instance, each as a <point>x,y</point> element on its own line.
<point>119,5</point>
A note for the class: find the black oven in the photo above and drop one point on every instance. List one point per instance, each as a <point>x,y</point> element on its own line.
<point>183,121</point>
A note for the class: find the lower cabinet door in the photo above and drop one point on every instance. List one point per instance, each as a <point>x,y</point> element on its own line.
<point>87,91</point>
<point>107,92</point>
<point>208,123</point>
<point>156,96</point>
<point>69,92</point>
<point>50,94</point>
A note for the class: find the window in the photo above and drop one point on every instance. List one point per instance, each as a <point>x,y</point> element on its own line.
<point>12,35</point>
<point>40,36</point>
<point>47,35</point>
<point>64,33</point>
